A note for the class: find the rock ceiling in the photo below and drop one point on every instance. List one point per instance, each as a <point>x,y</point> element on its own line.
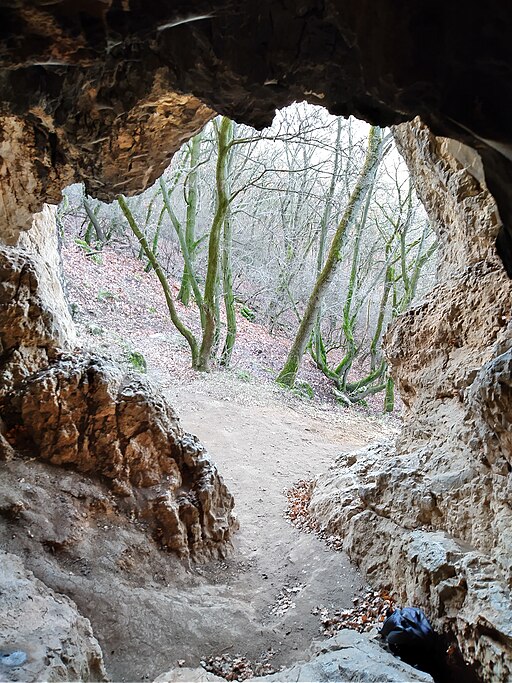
<point>106,90</point>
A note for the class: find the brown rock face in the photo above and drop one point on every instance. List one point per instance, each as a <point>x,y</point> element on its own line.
<point>83,413</point>
<point>105,91</point>
<point>454,346</point>
<point>431,517</point>
<point>80,412</point>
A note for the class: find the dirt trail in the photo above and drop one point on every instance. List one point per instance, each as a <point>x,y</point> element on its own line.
<point>147,609</point>
<point>262,447</point>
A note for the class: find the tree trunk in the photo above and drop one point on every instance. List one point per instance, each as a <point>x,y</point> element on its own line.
<point>324,224</point>
<point>190,228</point>
<point>349,319</point>
<point>184,251</point>
<point>93,222</point>
<point>224,137</point>
<point>163,281</point>
<point>229,297</point>
<point>389,398</point>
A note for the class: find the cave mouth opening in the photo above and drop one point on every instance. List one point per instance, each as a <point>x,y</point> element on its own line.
<point>87,93</point>
<point>260,218</point>
<point>289,189</point>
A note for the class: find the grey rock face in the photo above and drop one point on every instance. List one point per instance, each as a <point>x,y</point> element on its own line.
<point>34,317</point>
<point>348,656</point>
<point>44,638</point>
<point>429,517</point>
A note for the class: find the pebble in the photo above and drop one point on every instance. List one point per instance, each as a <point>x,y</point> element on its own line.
<point>16,658</point>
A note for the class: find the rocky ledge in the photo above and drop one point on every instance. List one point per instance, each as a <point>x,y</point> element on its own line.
<point>383,505</point>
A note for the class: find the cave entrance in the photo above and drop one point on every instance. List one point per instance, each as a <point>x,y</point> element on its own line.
<point>248,225</point>
<point>280,203</point>
<point>87,93</point>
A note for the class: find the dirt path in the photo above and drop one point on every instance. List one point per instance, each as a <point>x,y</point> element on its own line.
<point>151,611</point>
<point>262,450</point>
<point>148,609</point>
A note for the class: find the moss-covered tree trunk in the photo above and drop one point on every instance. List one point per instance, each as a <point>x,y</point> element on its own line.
<point>183,329</point>
<point>184,251</point>
<point>288,374</point>
<point>93,223</point>
<point>229,297</point>
<point>224,138</point>
<point>317,344</point>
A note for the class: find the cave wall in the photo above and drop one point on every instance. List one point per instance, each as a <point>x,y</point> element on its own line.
<point>53,641</point>
<point>430,516</point>
<point>35,323</point>
<point>450,353</point>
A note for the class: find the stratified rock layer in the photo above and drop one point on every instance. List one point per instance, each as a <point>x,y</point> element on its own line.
<point>431,517</point>
<point>52,640</point>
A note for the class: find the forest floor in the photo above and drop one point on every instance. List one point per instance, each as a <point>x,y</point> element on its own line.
<point>120,310</point>
<point>266,601</point>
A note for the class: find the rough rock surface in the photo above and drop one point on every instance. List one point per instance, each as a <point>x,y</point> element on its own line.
<point>100,91</point>
<point>34,316</point>
<point>431,516</point>
<point>83,413</point>
<point>81,540</point>
<point>46,627</point>
<point>348,656</point>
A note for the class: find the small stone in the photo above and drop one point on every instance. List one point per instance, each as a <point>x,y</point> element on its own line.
<point>16,658</point>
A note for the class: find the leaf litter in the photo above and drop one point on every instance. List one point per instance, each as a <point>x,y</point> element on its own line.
<point>372,608</point>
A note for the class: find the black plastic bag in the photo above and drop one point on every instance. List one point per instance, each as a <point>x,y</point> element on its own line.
<point>411,637</point>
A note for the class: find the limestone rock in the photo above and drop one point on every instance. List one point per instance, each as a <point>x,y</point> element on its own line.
<point>81,412</point>
<point>348,656</point>
<point>84,413</point>
<point>34,317</point>
<point>43,243</point>
<point>46,627</point>
<point>430,517</point>
<point>379,501</point>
